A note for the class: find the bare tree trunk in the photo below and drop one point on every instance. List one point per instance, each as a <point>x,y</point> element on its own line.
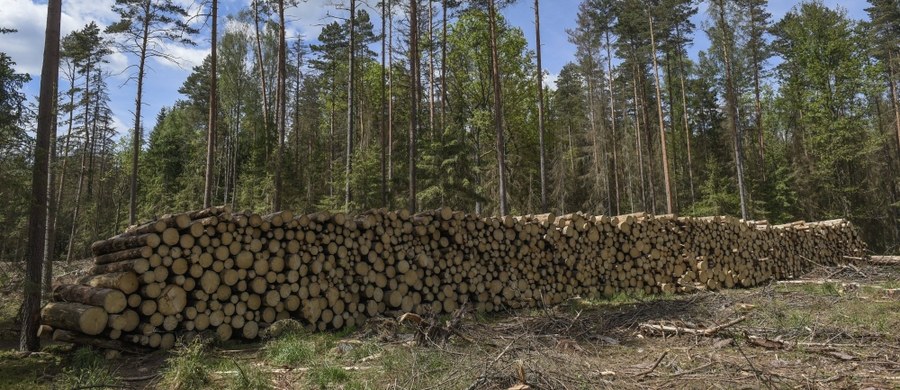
<point>431,68</point>
<point>595,156</point>
<point>384,194</point>
<point>637,135</point>
<point>138,131</point>
<point>662,124</point>
<point>540,98</point>
<point>414,97</point>
<point>895,102</point>
<point>731,103</point>
<point>444,66</point>
<point>280,101</point>
<point>687,129</point>
<point>262,71</point>
<point>28,339</point>
<point>615,132</point>
<point>498,107</point>
<point>50,237</point>
<point>213,111</point>
<point>84,155</point>
<point>390,124</point>
<point>758,105</point>
<point>350,105</point>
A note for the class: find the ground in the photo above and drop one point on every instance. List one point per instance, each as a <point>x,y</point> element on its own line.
<point>838,328</point>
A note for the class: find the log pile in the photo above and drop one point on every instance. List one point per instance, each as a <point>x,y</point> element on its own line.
<point>233,274</point>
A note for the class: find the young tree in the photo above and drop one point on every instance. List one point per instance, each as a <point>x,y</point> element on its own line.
<point>145,27</point>
<point>28,339</point>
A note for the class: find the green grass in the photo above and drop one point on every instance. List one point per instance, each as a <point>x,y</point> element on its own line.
<point>329,376</point>
<point>294,349</point>
<point>249,377</point>
<point>87,368</point>
<point>188,368</point>
<point>18,372</point>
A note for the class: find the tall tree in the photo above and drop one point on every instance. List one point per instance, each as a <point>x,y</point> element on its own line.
<point>28,339</point>
<point>498,108</point>
<point>662,123</point>
<point>145,26</point>
<point>213,110</point>
<point>413,97</point>
<point>280,96</point>
<point>540,103</point>
<point>351,103</point>
<point>727,47</point>
<point>757,25</point>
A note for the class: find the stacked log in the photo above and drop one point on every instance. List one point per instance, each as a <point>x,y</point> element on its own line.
<point>233,274</point>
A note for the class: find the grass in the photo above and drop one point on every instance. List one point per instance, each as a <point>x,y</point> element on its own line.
<point>27,372</point>
<point>87,368</point>
<point>249,377</point>
<point>188,368</point>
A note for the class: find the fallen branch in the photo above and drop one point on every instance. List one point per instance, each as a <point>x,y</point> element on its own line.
<point>676,330</point>
<point>653,368</point>
<point>884,260</point>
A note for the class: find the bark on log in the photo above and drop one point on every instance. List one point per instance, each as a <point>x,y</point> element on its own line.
<point>113,301</point>
<point>90,320</point>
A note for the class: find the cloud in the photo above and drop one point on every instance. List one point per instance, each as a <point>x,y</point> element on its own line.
<point>550,79</point>
<point>26,47</point>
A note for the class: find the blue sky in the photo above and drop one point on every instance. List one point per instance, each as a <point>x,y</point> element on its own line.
<point>164,79</point>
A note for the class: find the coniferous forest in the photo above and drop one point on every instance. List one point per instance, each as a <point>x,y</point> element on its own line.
<point>422,104</point>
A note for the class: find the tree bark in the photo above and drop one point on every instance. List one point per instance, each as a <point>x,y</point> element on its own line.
<point>384,194</point>
<point>662,124</point>
<point>280,114</point>
<point>687,129</point>
<point>213,111</point>
<point>498,107</point>
<point>350,105</point>
<point>390,113</point>
<point>731,103</point>
<point>612,118</point>
<point>540,97</point>
<point>414,97</point>
<point>31,305</point>
<point>262,71</point>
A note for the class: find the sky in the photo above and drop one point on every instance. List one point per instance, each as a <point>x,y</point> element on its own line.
<point>305,20</point>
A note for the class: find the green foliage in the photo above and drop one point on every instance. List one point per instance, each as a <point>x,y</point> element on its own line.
<point>294,349</point>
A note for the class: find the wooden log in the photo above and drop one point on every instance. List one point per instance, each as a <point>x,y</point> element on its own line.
<point>113,301</point>
<point>117,244</point>
<point>171,301</point>
<point>90,320</point>
<point>143,252</point>
<point>82,339</point>
<point>138,266</point>
<point>127,282</point>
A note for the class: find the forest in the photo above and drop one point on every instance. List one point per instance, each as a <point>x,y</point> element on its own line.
<point>423,104</point>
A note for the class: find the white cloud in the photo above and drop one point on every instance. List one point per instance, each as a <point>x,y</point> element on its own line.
<point>26,47</point>
<point>186,57</point>
<point>550,79</point>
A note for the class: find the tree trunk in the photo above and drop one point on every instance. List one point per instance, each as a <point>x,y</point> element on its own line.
<point>50,237</point>
<point>262,71</point>
<point>662,124</point>
<point>31,305</point>
<point>213,111</point>
<point>350,105</point>
<point>637,136</point>
<point>615,131</point>
<point>540,97</point>
<point>84,153</point>
<point>498,107</point>
<point>384,194</point>
<point>280,114</point>
<point>687,129</point>
<point>414,97</point>
<point>431,68</point>
<point>138,131</point>
<point>390,108</point>
<point>731,103</point>
<point>895,101</point>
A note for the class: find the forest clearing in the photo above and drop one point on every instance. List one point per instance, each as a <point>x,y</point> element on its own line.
<point>497,194</point>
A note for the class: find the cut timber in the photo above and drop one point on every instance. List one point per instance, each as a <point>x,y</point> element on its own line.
<point>117,244</point>
<point>885,260</point>
<point>143,252</point>
<point>138,266</point>
<point>90,320</point>
<point>81,339</point>
<point>113,301</point>
<point>127,282</point>
<point>171,301</point>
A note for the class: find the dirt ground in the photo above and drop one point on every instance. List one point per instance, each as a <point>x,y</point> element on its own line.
<point>836,327</point>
